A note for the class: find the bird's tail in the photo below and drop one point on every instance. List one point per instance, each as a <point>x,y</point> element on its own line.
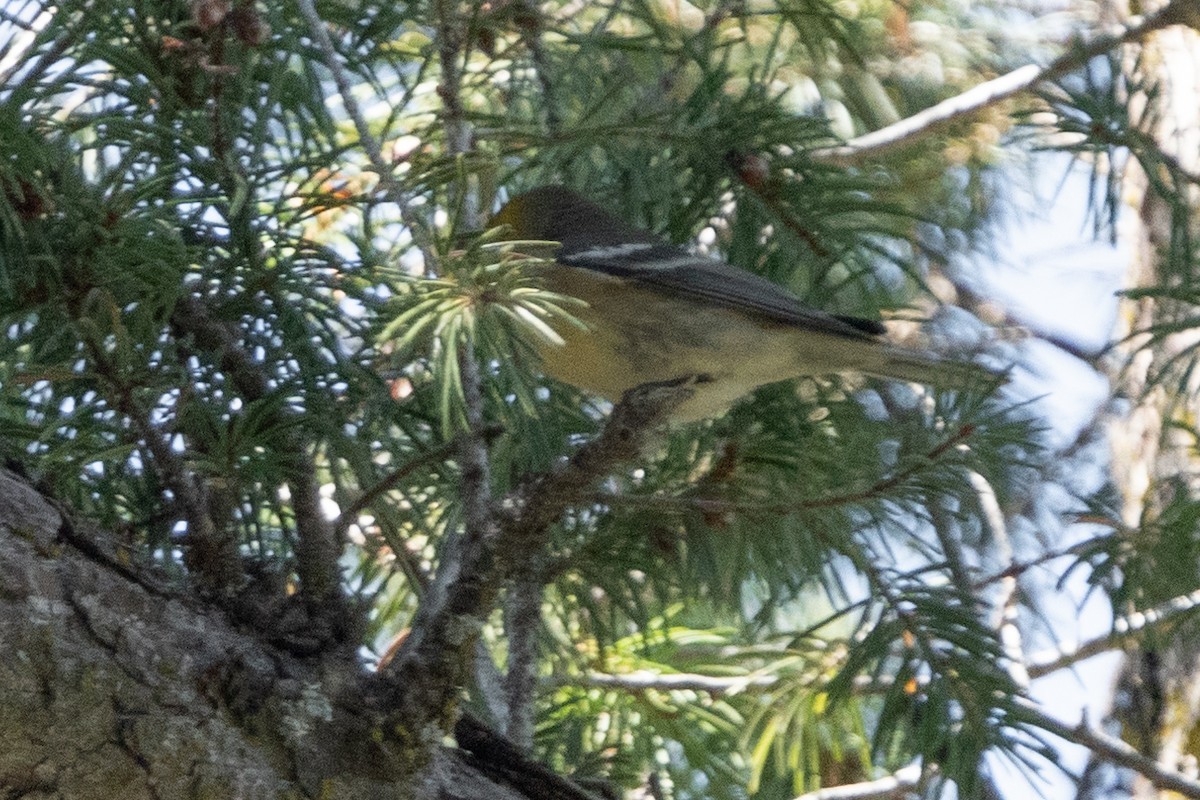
<point>903,364</point>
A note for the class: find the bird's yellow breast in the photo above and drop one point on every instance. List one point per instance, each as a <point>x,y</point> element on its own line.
<point>636,335</point>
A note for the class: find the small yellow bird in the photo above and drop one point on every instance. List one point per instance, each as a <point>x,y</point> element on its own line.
<point>656,313</point>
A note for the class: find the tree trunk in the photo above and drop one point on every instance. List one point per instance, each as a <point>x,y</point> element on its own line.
<point>114,687</point>
<point>1158,690</point>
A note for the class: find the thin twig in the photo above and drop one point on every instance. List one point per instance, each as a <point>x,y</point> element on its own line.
<point>654,787</point>
<point>532,36</point>
<point>1004,605</point>
<point>54,55</point>
<point>719,506</point>
<point>450,49</point>
<point>452,46</point>
<point>211,553</point>
<point>1123,629</point>
<point>644,680</point>
<point>1017,568</point>
<point>987,307</point>
<point>539,502</point>
<point>387,179</point>
<point>479,521</point>
<point>935,118</point>
<point>13,56</point>
<point>364,501</point>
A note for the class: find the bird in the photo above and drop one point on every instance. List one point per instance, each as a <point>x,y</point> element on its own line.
<point>655,313</point>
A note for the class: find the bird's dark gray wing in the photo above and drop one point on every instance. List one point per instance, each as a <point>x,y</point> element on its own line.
<point>675,271</point>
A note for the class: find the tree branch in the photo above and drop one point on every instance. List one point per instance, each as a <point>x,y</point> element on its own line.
<point>14,55</point>
<point>989,309</point>
<point>539,501</point>
<point>645,680</point>
<point>365,500</point>
<point>893,787</point>
<point>935,118</point>
<point>387,179</point>
<point>522,624</point>
<point>210,553</point>
<point>1123,629</point>
<point>452,45</point>
<point>719,506</point>
<point>531,35</point>
<point>1113,750</point>
<point>317,545</point>
<point>1004,605</point>
<point>425,677</point>
<point>76,28</point>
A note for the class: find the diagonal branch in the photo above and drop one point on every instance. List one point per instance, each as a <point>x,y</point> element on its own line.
<point>935,118</point>
<point>423,681</point>
<point>372,495</point>
<point>1123,629</point>
<point>209,552</point>
<point>392,189</point>
<point>1004,604</point>
<point>900,784</point>
<point>708,505</point>
<point>1114,751</point>
<point>317,545</point>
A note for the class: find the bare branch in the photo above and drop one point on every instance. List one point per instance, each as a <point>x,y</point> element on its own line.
<point>13,55</point>
<point>318,546</point>
<point>452,46</point>
<point>1124,629</point>
<point>644,680</point>
<point>935,118</point>
<point>1004,605</point>
<point>450,50</point>
<point>720,506</point>
<point>1114,751</point>
<point>538,502</point>
<point>988,308</point>
<point>531,35</point>
<point>424,678</point>
<point>433,662</point>
<point>1106,747</point>
<point>364,501</point>
<point>693,47</point>
<point>522,623</point>
<point>76,29</point>
<point>895,786</point>
<point>208,551</point>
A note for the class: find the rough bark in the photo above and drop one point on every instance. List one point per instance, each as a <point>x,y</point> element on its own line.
<point>112,686</point>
